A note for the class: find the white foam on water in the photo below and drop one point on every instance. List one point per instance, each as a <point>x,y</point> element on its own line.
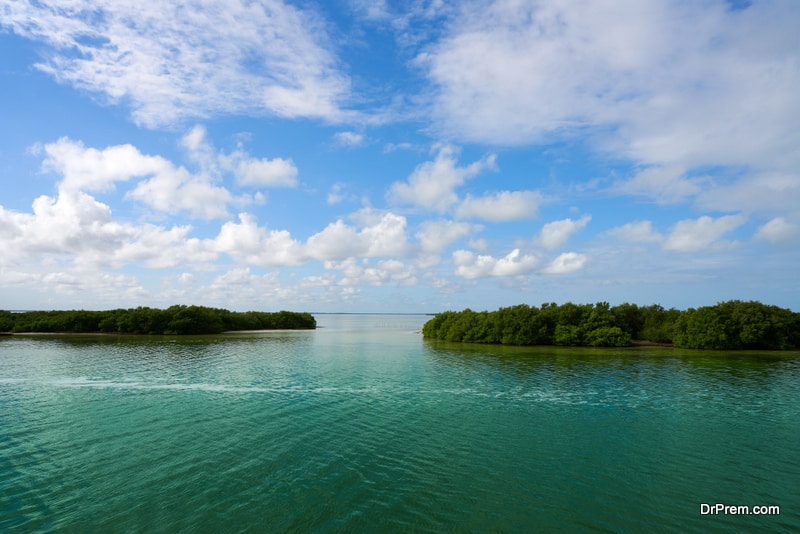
<point>590,397</point>
<point>13,380</point>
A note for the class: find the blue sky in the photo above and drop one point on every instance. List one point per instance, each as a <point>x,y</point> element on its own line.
<point>409,156</point>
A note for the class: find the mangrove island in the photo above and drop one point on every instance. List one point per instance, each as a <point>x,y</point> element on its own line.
<point>730,325</point>
<point>175,320</point>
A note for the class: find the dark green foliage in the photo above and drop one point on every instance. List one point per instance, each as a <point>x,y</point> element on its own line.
<point>142,320</point>
<point>607,336</point>
<point>568,324</point>
<point>6,321</point>
<point>737,325</point>
<point>568,335</point>
<point>727,325</point>
<point>658,324</point>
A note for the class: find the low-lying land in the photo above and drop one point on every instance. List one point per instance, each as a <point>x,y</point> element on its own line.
<point>171,321</point>
<point>727,325</point>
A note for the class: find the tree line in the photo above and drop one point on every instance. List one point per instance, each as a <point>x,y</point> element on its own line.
<point>142,320</point>
<point>727,325</point>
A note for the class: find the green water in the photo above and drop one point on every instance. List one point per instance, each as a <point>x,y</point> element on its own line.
<point>363,426</point>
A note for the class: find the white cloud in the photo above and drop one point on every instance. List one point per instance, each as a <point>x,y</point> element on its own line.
<point>568,262</point>
<point>513,264</point>
<point>265,172</point>
<point>74,228</point>
<point>374,10</point>
<point>338,193</point>
<point>336,242</point>
<point>637,232</point>
<point>90,169</point>
<point>167,188</point>
<point>82,287</point>
<point>778,230</point>
<point>432,183</point>
<point>677,89</point>
<point>246,170</point>
<point>690,235</point>
<point>177,60</point>
<point>664,185</point>
<point>249,243</point>
<point>348,139</point>
<point>178,190</point>
<point>470,266</point>
<point>771,192</point>
<point>556,233</point>
<point>392,147</point>
<point>385,236</point>
<point>186,279</point>
<point>358,272</point>
<point>434,236</point>
<point>501,206</point>
<point>663,82</point>
<point>479,244</point>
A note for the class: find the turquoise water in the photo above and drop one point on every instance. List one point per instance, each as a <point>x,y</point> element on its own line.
<point>364,426</point>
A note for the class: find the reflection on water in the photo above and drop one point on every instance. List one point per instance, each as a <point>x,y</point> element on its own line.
<point>362,425</point>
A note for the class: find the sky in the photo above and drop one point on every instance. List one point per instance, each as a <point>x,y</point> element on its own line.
<point>398,156</point>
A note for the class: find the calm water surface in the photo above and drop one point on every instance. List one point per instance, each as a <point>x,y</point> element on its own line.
<point>364,426</point>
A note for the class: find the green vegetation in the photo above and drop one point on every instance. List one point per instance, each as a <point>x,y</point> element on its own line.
<point>173,320</point>
<point>728,325</point>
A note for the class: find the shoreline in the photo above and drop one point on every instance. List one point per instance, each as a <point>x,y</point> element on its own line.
<point>645,343</point>
<point>111,334</point>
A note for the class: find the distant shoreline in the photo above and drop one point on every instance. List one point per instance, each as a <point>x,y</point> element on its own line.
<point>127,334</point>
<point>645,343</point>
<point>175,320</point>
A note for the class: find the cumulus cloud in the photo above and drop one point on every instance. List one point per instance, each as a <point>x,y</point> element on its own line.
<point>637,232</point>
<point>264,172</point>
<point>246,170</point>
<point>778,230</point>
<point>357,272</point>
<point>178,190</point>
<point>432,184</point>
<point>176,60</point>
<point>468,265</point>
<point>568,262</point>
<point>690,235</point>
<point>556,233</point>
<point>502,206</point>
<point>387,237</point>
<point>75,228</point>
<point>247,242</point>
<point>90,169</point>
<point>434,236</point>
<point>338,241</point>
<point>162,185</point>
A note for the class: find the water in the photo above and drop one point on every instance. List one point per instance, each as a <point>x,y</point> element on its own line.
<point>363,426</point>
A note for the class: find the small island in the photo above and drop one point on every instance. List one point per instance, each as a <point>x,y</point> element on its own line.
<point>731,325</point>
<point>175,320</point>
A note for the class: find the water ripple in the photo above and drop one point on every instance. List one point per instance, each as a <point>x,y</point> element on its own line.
<point>350,430</point>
